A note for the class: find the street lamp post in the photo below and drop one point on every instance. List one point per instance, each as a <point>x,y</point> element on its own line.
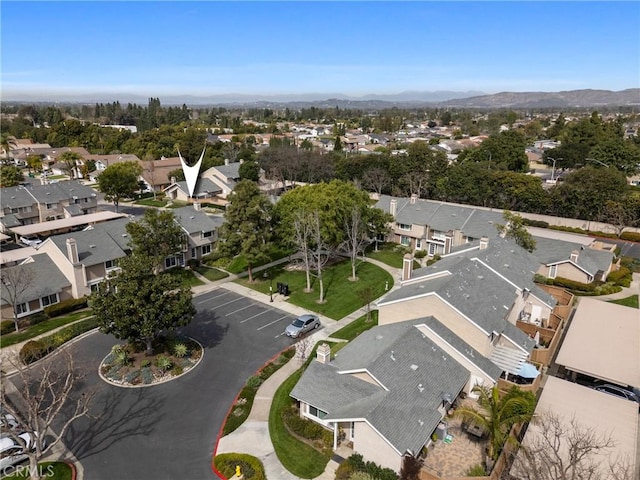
<point>553,169</point>
<point>267,274</point>
<point>597,161</point>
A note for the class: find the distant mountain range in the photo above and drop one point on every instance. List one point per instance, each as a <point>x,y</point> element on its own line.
<point>469,99</point>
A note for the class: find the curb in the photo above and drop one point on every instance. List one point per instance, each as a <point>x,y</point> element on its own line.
<point>74,472</point>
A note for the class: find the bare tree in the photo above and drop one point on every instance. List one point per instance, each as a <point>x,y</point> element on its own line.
<point>16,283</point>
<point>43,396</point>
<point>376,179</point>
<point>356,233</point>
<point>302,226</point>
<point>556,448</point>
<point>303,347</point>
<point>320,252</point>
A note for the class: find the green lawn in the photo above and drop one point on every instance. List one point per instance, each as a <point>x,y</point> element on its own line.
<point>211,274</point>
<point>631,301</point>
<point>297,457</point>
<point>356,327</point>
<point>342,296</point>
<point>187,277</point>
<point>390,253</point>
<point>48,470</point>
<point>150,202</point>
<point>42,327</point>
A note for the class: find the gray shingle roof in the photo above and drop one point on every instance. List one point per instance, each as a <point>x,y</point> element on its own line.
<point>94,246</point>
<point>194,221</point>
<point>14,197</point>
<point>61,191</point>
<point>231,171</point>
<point>204,186</point>
<point>47,279</point>
<point>549,251</point>
<point>415,374</point>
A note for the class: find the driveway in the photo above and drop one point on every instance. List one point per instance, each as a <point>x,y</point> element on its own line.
<point>168,431</point>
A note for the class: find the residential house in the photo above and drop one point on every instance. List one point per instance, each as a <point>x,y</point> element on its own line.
<point>386,391</point>
<point>201,231</point>
<point>51,160</point>
<point>156,174</point>
<point>574,261</point>
<point>25,205</point>
<point>47,285</point>
<point>205,190</point>
<point>85,258</point>
<point>103,161</point>
<point>437,227</point>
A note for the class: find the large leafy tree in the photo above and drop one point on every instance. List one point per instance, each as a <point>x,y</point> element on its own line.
<point>7,143</point>
<point>156,235</point>
<point>497,414</point>
<point>10,176</point>
<point>71,159</point>
<point>119,181</point>
<point>138,305</point>
<point>247,228</point>
<point>505,150</point>
<point>516,229</point>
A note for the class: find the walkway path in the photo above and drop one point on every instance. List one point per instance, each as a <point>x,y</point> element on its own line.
<point>633,289</point>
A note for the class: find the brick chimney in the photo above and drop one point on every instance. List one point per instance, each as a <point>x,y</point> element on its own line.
<point>323,353</point>
<point>393,206</point>
<point>72,251</point>
<point>407,266</point>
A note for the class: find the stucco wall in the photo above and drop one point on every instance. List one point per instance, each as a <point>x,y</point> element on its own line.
<point>373,448</point>
<point>95,272</point>
<point>433,305</point>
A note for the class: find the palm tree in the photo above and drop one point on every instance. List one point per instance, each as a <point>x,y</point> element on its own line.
<point>7,143</point>
<point>498,414</point>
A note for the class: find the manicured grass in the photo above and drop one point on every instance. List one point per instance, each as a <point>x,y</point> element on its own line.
<point>150,202</point>
<point>177,204</point>
<point>42,327</point>
<point>297,457</point>
<point>631,301</point>
<point>212,274</point>
<point>356,327</point>
<point>48,470</point>
<point>388,253</point>
<point>342,296</point>
<point>187,277</point>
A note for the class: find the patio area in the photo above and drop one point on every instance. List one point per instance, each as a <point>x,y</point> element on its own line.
<point>454,458</point>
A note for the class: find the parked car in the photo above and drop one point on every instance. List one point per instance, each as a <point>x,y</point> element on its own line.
<point>7,421</point>
<point>11,452</point>
<point>302,325</point>
<point>30,240</point>
<point>618,392</point>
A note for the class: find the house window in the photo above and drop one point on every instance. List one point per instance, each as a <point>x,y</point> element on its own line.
<point>93,287</point>
<point>109,264</point>
<point>207,234</point>
<point>353,430</point>
<point>49,300</point>
<point>51,206</point>
<point>174,261</point>
<point>432,248</point>
<point>553,271</point>
<point>206,249</point>
<point>403,226</point>
<point>22,308</point>
<point>193,253</point>
<point>406,241</point>
<point>418,244</point>
<point>316,412</point>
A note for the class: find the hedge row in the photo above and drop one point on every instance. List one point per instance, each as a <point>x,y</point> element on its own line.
<point>250,467</point>
<point>306,428</point>
<point>7,326</point>
<point>355,463</point>
<point>34,350</point>
<point>65,306</point>
<point>630,236</point>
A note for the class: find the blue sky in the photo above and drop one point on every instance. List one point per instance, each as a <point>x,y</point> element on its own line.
<point>353,48</point>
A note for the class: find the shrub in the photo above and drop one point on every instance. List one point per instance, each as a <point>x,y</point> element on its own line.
<point>250,466</point>
<point>193,263</point>
<point>180,350</point>
<point>535,223</point>
<point>571,284</point>
<point>37,318</point>
<point>177,370</point>
<point>420,254</point>
<point>122,358</point>
<point>7,326</point>
<point>630,236</point>
<point>361,476</point>
<point>355,464</point>
<point>621,274</point>
<point>164,363</point>
<point>145,363</point>
<point>32,351</point>
<point>476,471</point>
<point>132,377</point>
<point>52,342</point>
<point>147,375</point>
<point>254,382</point>
<point>65,306</point>
<point>301,426</point>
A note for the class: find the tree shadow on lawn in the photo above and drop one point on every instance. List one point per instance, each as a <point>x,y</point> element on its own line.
<point>206,329</point>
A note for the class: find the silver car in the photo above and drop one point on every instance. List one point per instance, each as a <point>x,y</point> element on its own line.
<point>11,452</point>
<point>302,325</point>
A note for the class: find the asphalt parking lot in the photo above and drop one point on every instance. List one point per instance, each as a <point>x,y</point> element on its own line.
<point>168,431</point>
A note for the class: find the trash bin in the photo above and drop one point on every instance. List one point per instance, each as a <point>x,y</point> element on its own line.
<point>285,289</point>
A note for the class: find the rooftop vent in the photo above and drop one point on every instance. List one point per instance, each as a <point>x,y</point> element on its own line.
<point>392,356</point>
<point>420,388</point>
<point>92,246</point>
<point>414,367</point>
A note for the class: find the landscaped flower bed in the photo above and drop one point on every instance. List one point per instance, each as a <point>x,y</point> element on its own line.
<point>130,365</point>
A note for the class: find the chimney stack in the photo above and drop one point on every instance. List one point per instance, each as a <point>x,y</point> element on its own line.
<point>323,353</point>
<point>484,242</point>
<point>226,161</point>
<point>196,206</point>
<point>173,180</point>
<point>407,266</point>
<point>413,199</point>
<point>574,255</point>
<point>72,251</point>
<point>393,206</point>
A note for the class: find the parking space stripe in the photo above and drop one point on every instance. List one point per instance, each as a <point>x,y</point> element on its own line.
<point>231,301</point>
<point>253,316</point>
<point>212,298</point>
<point>271,323</point>
<point>240,309</point>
